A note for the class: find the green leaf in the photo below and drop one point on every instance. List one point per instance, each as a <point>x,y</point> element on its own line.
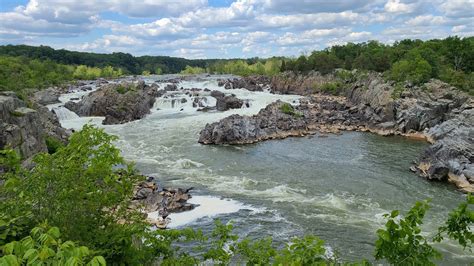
<point>9,260</point>
<point>395,213</point>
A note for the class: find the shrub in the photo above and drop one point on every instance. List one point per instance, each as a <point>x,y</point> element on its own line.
<point>53,144</point>
<point>288,109</point>
<point>416,70</point>
<point>44,247</point>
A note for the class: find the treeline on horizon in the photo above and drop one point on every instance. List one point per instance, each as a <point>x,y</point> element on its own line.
<point>450,59</point>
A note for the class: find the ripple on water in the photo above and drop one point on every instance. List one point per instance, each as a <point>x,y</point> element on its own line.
<point>337,187</point>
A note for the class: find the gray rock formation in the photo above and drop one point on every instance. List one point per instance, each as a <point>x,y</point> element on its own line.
<point>25,129</point>
<point>119,103</point>
<point>226,102</point>
<point>434,111</point>
<point>47,96</point>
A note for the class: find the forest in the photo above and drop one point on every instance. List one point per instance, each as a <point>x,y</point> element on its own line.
<point>416,61</point>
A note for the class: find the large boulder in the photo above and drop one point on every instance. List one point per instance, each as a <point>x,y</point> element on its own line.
<point>47,96</point>
<point>119,103</point>
<point>226,102</point>
<point>269,123</point>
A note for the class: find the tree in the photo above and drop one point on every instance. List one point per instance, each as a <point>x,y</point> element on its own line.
<point>416,70</point>
<point>83,188</point>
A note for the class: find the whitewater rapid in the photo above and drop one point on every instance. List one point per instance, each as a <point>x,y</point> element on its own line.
<point>338,187</point>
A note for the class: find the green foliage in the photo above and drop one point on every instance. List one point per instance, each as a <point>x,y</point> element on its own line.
<point>189,70</point>
<point>122,89</point>
<point>458,225</point>
<point>158,71</point>
<point>459,79</point>
<point>258,252</point>
<point>146,73</point>
<point>416,70</point>
<point>21,73</point>
<point>81,190</point>
<point>267,67</point>
<point>85,72</point>
<point>53,144</point>
<point>44,247</point>
<point>303,251</point>
<point>288,109</point>
<point>401,241</point>
<point>9,160</point>
<point>331,87</point>
<point>397,91</point>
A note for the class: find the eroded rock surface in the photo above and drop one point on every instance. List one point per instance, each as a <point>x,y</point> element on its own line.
<point>25,129</point>
<point>434,111</point>
<point>119,103</point>
<point>149,197</point>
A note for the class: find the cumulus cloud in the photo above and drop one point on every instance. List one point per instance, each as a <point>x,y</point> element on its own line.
<point>314,6</point>
<point>200,28</point>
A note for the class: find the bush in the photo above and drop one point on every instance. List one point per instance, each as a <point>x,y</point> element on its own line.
<point>43,247</point>
<point>416,70</point>
<point>53,144</point>
<point>331,87</point>
<point>189,70</point>
<point>288,109</point>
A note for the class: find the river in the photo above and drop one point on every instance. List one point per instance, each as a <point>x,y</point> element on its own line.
<point>337,187</point>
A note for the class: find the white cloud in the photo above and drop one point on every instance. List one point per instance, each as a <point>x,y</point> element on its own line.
<point>458,8</point>
<point>196,29</point>
<point>314,6</point>
<point>396,6</point>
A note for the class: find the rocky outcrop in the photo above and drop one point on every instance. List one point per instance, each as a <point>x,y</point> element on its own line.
<point>251,83</point>
<point>150,197</point>
<point>451,156</point>
<point>47,96</point>
<point>25,129</point>
<point>280,120</point>
<point>283,83</point>
<point>434,111</point>
<point>226,102</point>
<point>119,103</point>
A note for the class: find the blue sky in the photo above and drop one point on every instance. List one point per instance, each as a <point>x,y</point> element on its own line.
<point>225,28</point>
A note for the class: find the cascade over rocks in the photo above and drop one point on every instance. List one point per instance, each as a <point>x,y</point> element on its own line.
<point>434,111</point>
<point>119,103</point>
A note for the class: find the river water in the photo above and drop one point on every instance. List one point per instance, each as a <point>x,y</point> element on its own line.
<point>336,187</point>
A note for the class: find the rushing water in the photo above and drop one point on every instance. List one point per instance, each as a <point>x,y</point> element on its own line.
<point>336,187</point>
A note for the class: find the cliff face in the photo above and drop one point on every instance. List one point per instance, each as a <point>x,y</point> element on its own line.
<point>25,129</point>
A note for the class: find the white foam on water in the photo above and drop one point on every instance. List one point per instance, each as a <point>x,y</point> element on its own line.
<point>209,206</point>
<point>64,114</point>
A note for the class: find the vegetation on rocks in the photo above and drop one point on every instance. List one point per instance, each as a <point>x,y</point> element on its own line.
<point>288,109</point>
<point>83,191</point>
<point>416,61</point>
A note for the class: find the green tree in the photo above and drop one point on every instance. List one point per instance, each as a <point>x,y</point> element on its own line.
<point>416,70</point>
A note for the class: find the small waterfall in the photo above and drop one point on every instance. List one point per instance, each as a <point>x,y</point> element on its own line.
<point>64,114</point>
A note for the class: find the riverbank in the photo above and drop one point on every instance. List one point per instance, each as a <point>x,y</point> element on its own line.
<point>335,186</point>
<point>433,111</point>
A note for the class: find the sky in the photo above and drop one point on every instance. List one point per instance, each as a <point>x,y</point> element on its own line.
<point>225,28</point>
